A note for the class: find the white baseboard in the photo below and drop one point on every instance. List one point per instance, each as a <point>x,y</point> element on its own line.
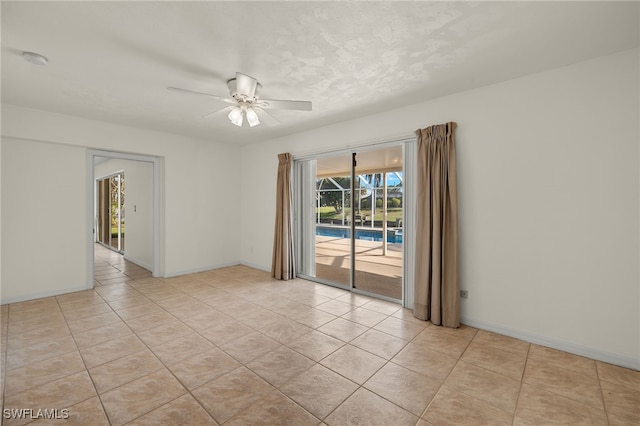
<point>195,271</point>
<point>138,262</point>
<point>254,266</point>
<point>41,295</point>
<point>597,354</point>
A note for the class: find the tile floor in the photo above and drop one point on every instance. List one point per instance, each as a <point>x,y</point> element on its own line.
<point>234,347</point>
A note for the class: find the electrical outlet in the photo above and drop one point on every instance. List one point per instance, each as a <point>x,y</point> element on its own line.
<point>464,294</point>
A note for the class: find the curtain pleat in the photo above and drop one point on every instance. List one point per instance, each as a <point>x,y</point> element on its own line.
<point>282,264</point>
<point>436,286</point>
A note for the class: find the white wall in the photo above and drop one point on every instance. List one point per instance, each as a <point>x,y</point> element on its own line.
<point>44,222</point>
<point>198,230</point>
<point>548,201</point>
<point>138,207</point>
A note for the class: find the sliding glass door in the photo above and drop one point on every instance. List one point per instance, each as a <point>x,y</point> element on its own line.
<point>378,232</point>
<point>332,218</point>
<point>349,215</point>
<point>110,211</point>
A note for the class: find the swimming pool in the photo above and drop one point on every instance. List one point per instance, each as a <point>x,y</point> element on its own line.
<point>394,236</point>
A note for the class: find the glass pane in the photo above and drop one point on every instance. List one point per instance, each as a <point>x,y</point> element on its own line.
<point>332,221</point>
<point>378,218</point>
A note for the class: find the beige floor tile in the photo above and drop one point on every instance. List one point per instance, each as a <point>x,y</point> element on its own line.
<point>165,332</point>
<point>617,420</point>
<point>221,333</point>
<point>273,327</point>
<point>343,329</point>
<point>453,408</point>
<point>274,409</point>
<point>441,340</point>
<point>314,318</point>
<point>102,334</point>
<point>35,336</point>
<point>39,351</point>
<point>203,367</point>
<point>72,313</point>
<point>537,406</point>
<point>403,329</point>
<point>354,299</point>
<point>184,410</point>
<point>124,370</point>
<point>32,307</point>
<point>280,365</point>
<point>364,317</point>
<point>85,296</point>
<point>138,311</point>
<point>315,345</point>
<point>509,344</point>
<point>139,397</point>
<point>382,344</point>
<point>502,362</point>
<point>403,387</point>
<point>126,298</point>
<point>319,390</point>
<point>335,307</point>
<point>571,362</point>
<point>93,322</point>
<point>622,402</point>
<point>140,324</point>
<point>382,307</point>
<point>618,375</point>
<point>231,393</point>
<point>551,377</point>
<point>492,388</point>
<point>205,320</point>
<point>367,408</point>
<point>424,360</point>
<point>25,325</point>
<point>285,330</point>
<point>89,412</point>
<point>111,350</point>
<point>250,346</point>
<point>310,299</point>
<point>183,347</point>
<point>189,310</point>
<point>61,393</point>
<point>41,372</point>
<point>353,363</point>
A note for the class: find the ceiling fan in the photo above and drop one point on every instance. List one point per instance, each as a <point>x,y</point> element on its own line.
<point>245,102</point>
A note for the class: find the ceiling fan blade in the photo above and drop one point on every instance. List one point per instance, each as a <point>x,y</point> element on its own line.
<point>193,92</point>
<point>279,104</point>
<point>246,85</point>
<point>218,112</point>
<point>266,118</point>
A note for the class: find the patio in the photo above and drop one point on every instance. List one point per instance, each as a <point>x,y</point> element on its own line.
<point>375,272</point>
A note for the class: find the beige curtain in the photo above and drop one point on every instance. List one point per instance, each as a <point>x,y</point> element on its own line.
<point>436,286</point>
<point>282,265</point>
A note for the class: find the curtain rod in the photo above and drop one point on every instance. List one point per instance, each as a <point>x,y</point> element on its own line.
<point>398,139</point>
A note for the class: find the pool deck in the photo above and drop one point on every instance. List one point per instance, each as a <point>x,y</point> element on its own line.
<point>375,272</point>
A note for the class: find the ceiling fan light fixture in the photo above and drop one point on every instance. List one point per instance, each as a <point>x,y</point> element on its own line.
<point>252,117</point>
<point>235,116</point>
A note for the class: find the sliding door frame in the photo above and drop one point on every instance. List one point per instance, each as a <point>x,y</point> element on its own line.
<point>408,214</point>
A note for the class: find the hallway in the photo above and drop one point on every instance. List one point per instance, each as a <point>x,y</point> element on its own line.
<point>110,267</point>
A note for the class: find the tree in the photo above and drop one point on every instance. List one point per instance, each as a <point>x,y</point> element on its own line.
<point>331,195</point>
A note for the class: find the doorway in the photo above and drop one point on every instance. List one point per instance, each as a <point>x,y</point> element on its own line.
<point>110,211</point>
<point>350,221</point>
<point>140,198</point>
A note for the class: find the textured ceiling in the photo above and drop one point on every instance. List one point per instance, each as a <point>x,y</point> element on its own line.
<point>112,61</point>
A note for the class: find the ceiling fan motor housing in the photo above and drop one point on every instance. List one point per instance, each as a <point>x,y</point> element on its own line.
<point>243,97</point>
